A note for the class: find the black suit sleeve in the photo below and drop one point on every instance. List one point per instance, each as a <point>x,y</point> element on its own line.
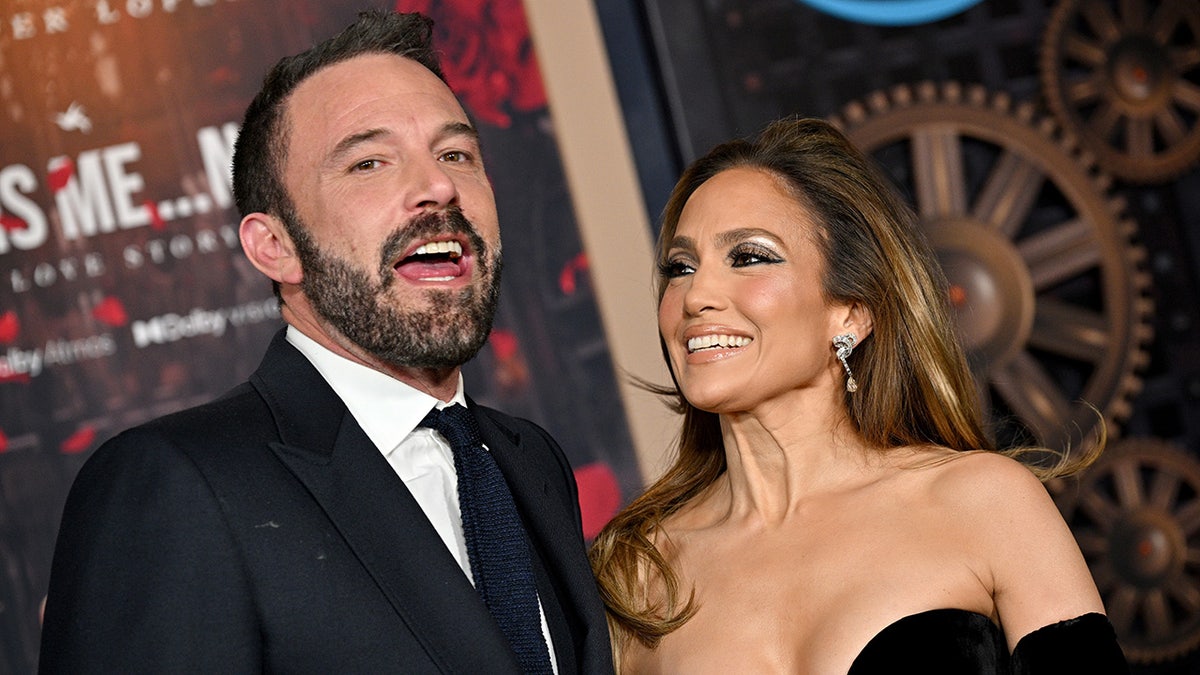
<point>146,577</point>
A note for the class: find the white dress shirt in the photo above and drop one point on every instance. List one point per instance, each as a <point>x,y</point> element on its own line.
<point>389,411</point>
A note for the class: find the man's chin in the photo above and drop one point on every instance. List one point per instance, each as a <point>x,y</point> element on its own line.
<point>436,354</point>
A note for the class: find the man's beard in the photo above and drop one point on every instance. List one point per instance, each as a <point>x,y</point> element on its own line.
<point>448,333</point>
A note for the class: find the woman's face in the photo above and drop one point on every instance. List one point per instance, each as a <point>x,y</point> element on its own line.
<point>742,315</point>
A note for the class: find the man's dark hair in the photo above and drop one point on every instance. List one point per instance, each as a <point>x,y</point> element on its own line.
<point>261,147</point>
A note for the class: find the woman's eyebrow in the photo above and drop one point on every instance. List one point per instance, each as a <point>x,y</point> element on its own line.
<point>731,237</point>
<point>682,242</point>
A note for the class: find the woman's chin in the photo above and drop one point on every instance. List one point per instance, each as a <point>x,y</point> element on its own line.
<point>716,402</point>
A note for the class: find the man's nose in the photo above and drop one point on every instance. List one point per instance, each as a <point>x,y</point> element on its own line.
<point>429,185</point>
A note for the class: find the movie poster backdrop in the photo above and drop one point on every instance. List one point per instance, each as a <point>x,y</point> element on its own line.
<point>124,293</point>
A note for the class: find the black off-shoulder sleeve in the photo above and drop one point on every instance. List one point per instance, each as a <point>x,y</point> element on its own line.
<point>1085,644</point>
<point>966,643</point>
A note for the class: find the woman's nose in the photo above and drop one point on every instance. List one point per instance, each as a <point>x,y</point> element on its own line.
<point>703,292</point>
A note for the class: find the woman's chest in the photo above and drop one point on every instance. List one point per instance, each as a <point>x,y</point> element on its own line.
<point>808,603</point>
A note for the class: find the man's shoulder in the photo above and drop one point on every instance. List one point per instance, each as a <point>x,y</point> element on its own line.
<point>227,422</point>
<point>515,427</point>
<point>234,412</point>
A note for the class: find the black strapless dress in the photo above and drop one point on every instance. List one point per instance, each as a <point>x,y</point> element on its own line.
<point>961,642</point>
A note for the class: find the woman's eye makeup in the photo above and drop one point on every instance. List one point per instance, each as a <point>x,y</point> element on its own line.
<point>744,255</point>
<point>674,267</point>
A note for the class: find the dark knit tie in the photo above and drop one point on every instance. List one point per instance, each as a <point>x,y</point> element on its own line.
<point>496,542</point>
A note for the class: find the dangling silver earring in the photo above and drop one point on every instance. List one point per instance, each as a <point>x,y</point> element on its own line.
<point>844,344</point>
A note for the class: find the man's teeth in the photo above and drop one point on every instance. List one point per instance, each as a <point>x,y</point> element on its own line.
<point>452,247</point>
<point>713,341</point>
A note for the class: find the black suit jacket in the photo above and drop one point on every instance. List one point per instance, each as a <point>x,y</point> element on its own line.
<point>264,532</point>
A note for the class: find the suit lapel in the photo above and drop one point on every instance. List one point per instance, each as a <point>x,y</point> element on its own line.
<point>324,447</point>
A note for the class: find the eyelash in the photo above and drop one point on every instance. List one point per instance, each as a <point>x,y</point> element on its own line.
<point>452,156</point>
<point>672,269</point>
<point>740,256</point>
<point>462,156</point>
<point>742,252</point>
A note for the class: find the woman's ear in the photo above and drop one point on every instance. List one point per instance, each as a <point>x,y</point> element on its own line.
<point>269,247</point>
<point>857,319</point>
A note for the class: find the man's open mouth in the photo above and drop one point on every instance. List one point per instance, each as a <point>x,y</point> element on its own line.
<point>434,261</point>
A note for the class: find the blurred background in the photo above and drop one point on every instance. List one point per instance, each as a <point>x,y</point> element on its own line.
<point>1049,147</point>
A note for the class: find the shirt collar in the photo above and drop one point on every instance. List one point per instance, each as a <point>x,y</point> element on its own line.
<point>387,409</point>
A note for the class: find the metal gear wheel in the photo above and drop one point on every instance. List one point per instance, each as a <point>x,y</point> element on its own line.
<point>1136,516</point>
<point>1045,279</point>
<point>1125,78</point>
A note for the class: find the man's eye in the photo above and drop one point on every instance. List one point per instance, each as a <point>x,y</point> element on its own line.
<point>455,156</point>
<point>365,165</point>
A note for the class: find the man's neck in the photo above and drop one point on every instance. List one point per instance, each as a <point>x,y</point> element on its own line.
<point>440,383</point>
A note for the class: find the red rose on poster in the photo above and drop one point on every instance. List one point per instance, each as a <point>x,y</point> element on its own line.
<point>487,55</point>
<point>62,169</point>
<point>12,223</point>
<point>111,311</point>
<point>156,219</point>
<point>599,496</point>
<point>510,371</point>
<point>10,327</point>
<point>504,344</point>
<point>568,277</point>
<point>79,441</point>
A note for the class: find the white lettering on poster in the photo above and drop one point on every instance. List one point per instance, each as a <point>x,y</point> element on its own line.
<point>98,194</point>
<point>57,18</point>
<point>158,251</point>
<point>17,362</point>
<point>25,226</point>
<point>45,274</point>
<point>101,191</point>
<point>216,149</point>
<point>54,19</point>
<point>169,328</point>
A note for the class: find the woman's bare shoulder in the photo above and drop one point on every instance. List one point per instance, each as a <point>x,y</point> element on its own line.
<point>988,479</point>
<point>1023,550</point>
<point>986,494</point>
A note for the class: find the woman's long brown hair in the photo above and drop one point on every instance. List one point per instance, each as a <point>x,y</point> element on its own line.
<point>915,386</point>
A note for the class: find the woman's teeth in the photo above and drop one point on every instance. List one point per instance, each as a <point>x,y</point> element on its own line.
<point>716,341</point>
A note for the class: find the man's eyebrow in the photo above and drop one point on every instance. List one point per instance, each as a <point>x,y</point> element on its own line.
<point>451,129</point>
<point>347,144</point>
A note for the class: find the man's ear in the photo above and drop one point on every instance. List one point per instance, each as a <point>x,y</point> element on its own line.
<point>269,247</point>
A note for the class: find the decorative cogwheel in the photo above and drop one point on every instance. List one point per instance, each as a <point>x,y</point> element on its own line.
<point>1136,516</point>
<point>1125,78</point>
<point>1045,280</point>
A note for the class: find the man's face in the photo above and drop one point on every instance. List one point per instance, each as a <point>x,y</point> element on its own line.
<point>395,223</point>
